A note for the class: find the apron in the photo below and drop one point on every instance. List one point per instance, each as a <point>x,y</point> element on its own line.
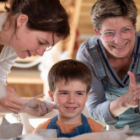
<point>84,128</point>
<point>112,92</point>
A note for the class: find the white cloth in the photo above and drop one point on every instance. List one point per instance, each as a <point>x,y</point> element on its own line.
<point>7,56</point>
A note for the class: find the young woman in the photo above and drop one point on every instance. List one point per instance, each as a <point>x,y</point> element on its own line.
<point>29,27</point>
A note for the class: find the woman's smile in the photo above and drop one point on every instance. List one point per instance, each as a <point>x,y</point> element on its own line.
<point>119,48</point>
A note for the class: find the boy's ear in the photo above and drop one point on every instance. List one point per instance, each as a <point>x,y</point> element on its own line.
<point>51,95</point>
<point>135,24</point>
<point>22,20</point>
<point>87,96</point>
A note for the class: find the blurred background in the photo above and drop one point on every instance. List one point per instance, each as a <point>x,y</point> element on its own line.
<point>29,76</point>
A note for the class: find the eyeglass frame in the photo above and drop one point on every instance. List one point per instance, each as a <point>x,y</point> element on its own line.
<point>116,32</point>
<point>48,48</point>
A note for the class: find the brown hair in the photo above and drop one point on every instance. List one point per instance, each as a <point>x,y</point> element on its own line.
<point>44,15</point>
<point>103,9</point>
<point>69,70</point>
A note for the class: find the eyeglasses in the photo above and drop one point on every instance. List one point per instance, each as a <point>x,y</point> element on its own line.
<point>48,48</point>
<point>125,33</point>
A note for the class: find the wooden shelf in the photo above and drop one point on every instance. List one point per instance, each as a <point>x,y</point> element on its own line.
<point>2,4</point>
<point>26,83</point>
<point>24,77</point>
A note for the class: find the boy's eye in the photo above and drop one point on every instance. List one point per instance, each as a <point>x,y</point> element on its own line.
<point>63,93</point>
<point>79,93</point>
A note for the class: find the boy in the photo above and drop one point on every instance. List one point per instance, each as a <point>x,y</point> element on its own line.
<point>69,83</point>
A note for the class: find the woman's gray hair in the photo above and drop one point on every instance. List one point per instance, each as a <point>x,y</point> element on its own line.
<point>103,9</point>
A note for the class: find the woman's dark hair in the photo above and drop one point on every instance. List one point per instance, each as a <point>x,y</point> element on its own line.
<point>69,70</point>
<point>43,15</point>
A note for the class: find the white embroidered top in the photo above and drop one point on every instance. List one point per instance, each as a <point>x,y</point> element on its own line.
<point>7,56</point>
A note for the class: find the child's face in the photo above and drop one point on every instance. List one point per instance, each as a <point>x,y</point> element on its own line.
<point>72,98</point>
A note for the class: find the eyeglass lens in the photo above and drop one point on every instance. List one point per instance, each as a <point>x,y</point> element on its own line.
<point>48,48</point>
<point>125,33</point>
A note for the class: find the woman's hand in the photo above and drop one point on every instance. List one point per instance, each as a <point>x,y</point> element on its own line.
<point>12,101</point>
<point>131,98</point>
<point>128,100</point>
<point>36,107</point>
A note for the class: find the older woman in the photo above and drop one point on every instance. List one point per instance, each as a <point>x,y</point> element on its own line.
<point>110,55</point>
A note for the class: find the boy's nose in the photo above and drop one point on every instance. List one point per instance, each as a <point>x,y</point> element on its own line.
<point>71,99</point>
